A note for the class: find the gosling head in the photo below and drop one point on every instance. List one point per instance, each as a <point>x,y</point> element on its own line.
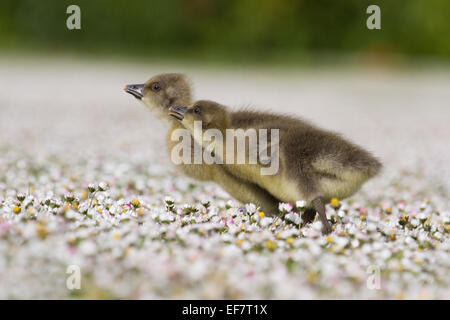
<point>211,114</point>
<point>161,92</point>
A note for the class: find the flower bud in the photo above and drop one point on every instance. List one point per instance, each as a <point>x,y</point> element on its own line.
<point>103,186</point>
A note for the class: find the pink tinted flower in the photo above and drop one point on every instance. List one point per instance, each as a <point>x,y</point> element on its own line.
<point>4,227</point>
<point>71,249</point>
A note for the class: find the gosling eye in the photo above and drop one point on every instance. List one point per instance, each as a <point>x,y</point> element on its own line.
<point>155,87</point>
<point>197,110</point>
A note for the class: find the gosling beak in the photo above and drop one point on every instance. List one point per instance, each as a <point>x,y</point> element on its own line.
<point>135,90</point>
<point>177,112</point>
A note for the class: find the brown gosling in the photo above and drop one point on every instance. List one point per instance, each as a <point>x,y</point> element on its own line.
<point>165,90</point>
<point>314,164</point>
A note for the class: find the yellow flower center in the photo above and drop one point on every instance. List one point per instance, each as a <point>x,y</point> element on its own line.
<point>41,230</point>
<point>334,202</point>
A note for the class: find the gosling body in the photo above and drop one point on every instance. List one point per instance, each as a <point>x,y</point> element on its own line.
<point>314,164</point>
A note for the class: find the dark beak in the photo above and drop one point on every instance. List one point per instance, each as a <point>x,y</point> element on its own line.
<point>177,112</point>
<point>135,90</point>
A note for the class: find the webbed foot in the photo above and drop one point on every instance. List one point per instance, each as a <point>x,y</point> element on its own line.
<point>308,216</point>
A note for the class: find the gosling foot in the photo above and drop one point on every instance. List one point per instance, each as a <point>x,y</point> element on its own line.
<point>326,229</point>
<point>308,216</point>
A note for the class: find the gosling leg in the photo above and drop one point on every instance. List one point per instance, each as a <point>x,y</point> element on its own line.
<point>320,208</point>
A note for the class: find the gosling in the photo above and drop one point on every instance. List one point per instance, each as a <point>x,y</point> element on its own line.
<point>164,90</point>
<point>315,165</point>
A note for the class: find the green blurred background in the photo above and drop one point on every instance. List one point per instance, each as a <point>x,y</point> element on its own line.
<point>229,30</point>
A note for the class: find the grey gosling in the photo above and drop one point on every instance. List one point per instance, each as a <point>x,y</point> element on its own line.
<point>314,164</point>
<point>165,90</point>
